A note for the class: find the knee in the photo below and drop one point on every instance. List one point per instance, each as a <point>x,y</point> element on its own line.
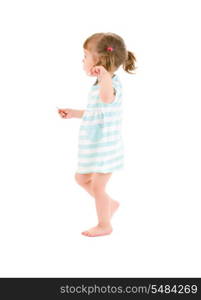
<point>78,178</point>
<point>82,179</point>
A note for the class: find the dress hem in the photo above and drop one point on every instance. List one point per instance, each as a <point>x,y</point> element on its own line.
<point>97,171</point>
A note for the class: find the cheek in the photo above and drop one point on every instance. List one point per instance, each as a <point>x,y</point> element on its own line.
<point>88,63</point>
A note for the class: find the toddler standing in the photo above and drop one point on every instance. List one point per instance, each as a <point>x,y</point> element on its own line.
<point>101,150</point>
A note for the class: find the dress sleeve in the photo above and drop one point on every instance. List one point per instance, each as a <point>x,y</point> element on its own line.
<point>116,84</point>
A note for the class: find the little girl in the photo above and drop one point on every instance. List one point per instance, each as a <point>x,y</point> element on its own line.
<point>100,142</point>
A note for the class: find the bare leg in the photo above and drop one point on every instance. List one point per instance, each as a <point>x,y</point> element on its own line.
<point>114,203</point>
<point>86,181</point>
<point>103,206</point>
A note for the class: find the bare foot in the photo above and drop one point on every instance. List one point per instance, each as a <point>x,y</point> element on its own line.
<point>98,231</point>
<point>114,206</point>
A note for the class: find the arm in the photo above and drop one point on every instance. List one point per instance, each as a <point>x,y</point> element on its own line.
<point>107,92</point>
<point>77,113</point>
<point>106,88</point>
<point>70,113</point>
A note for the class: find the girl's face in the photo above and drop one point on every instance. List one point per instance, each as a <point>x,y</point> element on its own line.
<point>88,61</point>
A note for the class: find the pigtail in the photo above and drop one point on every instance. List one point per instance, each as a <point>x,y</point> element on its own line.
<point>129,63</point>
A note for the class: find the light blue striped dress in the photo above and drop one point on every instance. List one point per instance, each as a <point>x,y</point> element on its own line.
<point>100,145</point>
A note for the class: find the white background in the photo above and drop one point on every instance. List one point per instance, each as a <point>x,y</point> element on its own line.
<point>42,209</point>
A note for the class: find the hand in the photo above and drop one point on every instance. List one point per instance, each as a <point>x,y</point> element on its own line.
<point>66,113</point>
<point>99,71</point>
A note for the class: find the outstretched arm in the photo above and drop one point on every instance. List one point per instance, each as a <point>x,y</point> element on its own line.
<point>78,113</point>
<point>70,113</point>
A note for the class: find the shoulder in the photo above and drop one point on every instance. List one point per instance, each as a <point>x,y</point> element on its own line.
<point>116,83</point>
<point>117,87</point>
<point>116,80</point>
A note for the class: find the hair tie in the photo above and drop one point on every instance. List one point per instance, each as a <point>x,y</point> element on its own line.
<point>110,49</point>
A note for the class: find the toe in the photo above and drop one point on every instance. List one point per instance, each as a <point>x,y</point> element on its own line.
<point>86,233</point>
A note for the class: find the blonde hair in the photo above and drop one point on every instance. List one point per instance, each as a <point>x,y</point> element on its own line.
<point>98,43</point>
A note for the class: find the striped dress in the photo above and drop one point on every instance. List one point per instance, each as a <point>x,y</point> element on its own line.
<point>100,145</point>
